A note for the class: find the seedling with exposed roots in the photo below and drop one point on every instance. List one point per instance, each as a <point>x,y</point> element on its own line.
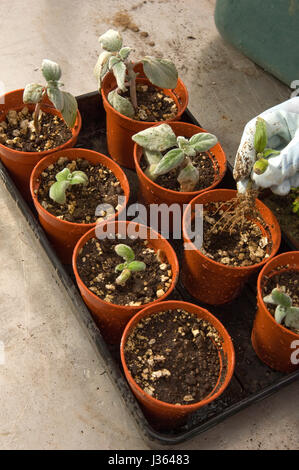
<point>115,58</point>
<point>263,153</point>
<point>62,100</point>
<point>284,311</point>
<point>295,197</point>
<point>158,139</point>
<point>65,179</point>
<point>129,265</point>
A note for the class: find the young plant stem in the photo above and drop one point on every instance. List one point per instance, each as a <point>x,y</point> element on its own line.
<point>36,117</point>
<point>132,83</point>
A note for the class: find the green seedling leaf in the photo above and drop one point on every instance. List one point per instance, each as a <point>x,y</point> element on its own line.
<point>268,153</point>
<point>295,204</point>
<point>152,157</point>
<point>79,177</point>
<point>171,160</point>
<point>188,178</point>
<point>102,67</point>
<point>63,175</point>
<point>203,141</point>
<point>57,191</point>
<point>280,298</point>
<point>125,252</point>
<point>111,41</point>
<point>56,96</point>
<point>160,72</point>
<point>186,147</point>
<point>260,138</point>
<point>120,104</point>
<point>70,109</point>
<point>119,70</point>
<point>292,318</point>
<point>260,166</point>
<point>136,266</point>
<point>51,70</point>
<point>33,93</point>
<point>280,313</point>
<point>125,52</point>
<point>157,138</point>
<point>123,277</point>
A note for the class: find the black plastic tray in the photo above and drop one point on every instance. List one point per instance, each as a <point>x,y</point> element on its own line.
<point>252,380</point>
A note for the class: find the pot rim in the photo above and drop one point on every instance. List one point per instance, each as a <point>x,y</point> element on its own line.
<point>216,263</point>
<point>226,337</point>
<point>88,235</point>
<point>75,130</point>
<point>34,176</point>
<point>137,148</point>
<point>259,287</point>
<point>148,123</point>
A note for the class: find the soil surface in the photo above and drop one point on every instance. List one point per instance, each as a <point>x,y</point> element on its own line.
<point>153,104</point>
<point>96,266</point>
<point>81,201</point>
<point>242,245</point>
<point>172,357</point>
<point>202,161</point>
<point>288,282</point>
<point>282,208</point>
<point>17,131</point>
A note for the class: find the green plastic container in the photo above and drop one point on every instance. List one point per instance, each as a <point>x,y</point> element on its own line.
<point>267,31</point>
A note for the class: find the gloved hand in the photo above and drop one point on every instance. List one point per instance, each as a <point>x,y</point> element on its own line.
<point>282,173</point>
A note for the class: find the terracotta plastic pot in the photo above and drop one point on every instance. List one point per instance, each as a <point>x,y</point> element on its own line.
<point>275,345</point>
<point>164,414</point>
<point>212,282</point>
<point>21,164</point>
<point>113,318</point>
<point>152,193</point>
<point>121,128</point>
<point>62,234</point>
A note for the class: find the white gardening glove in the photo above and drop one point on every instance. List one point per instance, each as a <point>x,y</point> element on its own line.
<point>282,173</point>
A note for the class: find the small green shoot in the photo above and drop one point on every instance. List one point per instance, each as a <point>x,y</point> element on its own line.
<point>62,100</point>
<point>130,264</point>
<point>260,142</point>
<point>284,312</point>
<point>65,179</point>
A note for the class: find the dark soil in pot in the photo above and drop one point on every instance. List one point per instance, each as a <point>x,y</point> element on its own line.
<point>288,282</point>
<point>96,267</point>
<point>17,131</point>
<point>244,244</point>
<point>205,162</point>
<point>81,201</point>
<point>282,208</point>
<point>153,104</point>
<point>173,356</point>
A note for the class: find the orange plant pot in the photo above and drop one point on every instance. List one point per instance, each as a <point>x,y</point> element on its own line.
<point>152,193</point>
<point>212,282</point>
<point>166,415</point>
<point>120,128</point>
<point>62,234</point>
<point>21,164</point>
<point>112,318</point>
<point>275,345</point>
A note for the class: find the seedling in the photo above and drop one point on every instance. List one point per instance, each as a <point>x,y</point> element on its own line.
<point>130,264</point>
<point>115,58</point>
<point>158,139</point>
<point>65,179</point>
<point>62,100</point>
<point>263,153</point>
<point>284,310</point>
